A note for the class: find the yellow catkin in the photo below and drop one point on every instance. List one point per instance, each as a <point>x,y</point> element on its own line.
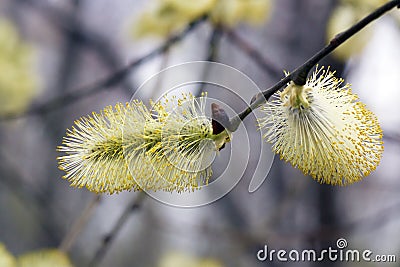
<point>169,16</point>
<point>44,258</point>
<point>133,148</point>
<point>343,17</point>
<point>233,12</point>
<point>371,4</point>
<point>323,129</point>
<point>346,14</point>
<point>17,81</point>
<point>179,259</point>
<point>6,258</point>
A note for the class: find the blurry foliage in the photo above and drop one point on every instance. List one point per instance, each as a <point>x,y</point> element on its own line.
<point>6,258</point>
<point>44,258</point>
<point>346,13</point>
<point>179,259</point>
<point>370,4</point>
<point>342,18</point>
<point>169,16</point>
<point>17,80</point>
<point>40,258</point>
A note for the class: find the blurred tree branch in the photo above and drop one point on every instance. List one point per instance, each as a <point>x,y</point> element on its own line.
<point>257,237</point>
<point>392,137</point>
<point>72,28</point>
<point>213,43</point>
<point>264,63</point>
<point>79,224</point>
<point>109,238</point>
<point>79,94</point>
<point>29,194</point>
<point>212,54</point>
<point>300,74</point>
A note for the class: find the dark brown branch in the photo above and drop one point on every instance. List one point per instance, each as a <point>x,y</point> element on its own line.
<point>213,43</point>
<point>299,75</point>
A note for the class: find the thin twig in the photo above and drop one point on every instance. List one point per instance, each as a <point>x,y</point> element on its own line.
<point>299,75</point>
<point>13,178</point>
<point>392,137</point>
<point>68,67</point>
<point>81,34</point>
<point>79,224</point>
<point>285,204</point>
<point>79,94</point>
<point>253,53</point>
<point>212,54</point>
<point>160,76</point>
<point>213,43</point>
<point>109,238</point>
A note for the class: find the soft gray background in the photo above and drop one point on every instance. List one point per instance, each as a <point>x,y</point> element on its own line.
<point>37,207</point>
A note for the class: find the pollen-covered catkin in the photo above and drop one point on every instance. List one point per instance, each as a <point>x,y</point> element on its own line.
<point>324,130</point>
<point>169,16</point>
<point>44,258</point>
<point>133,148</point>
<point>6,258</point>
<point>17,78</point>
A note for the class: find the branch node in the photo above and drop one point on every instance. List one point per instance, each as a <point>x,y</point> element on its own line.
<point>220,120</point>
<point>256,97</point>
<point>300,77</point>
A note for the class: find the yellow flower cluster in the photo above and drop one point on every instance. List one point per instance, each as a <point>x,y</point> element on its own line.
<point>134,148</point>
<point>232,12</point>
<point>17,82</point>
<point>44,258</point>
<point>371,4</point>
<point>169,16</point>
<point>41,258</point>
<point>322,129</point>
<point>6,258</point>
<point>177,259</point>
<point>346,14</point>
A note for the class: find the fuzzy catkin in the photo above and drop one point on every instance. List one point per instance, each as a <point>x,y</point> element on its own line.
<point>133,148</point>
<point>323,129</point>
<point>44,258</point>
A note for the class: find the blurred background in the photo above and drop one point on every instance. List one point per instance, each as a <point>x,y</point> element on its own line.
<point>60,60</point>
